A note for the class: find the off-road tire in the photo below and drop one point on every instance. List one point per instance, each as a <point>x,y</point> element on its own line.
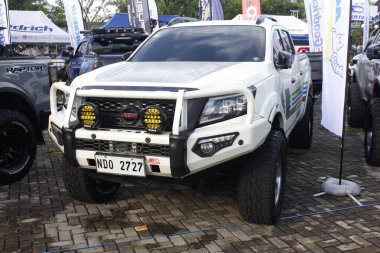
<point>83,187</point>
<point>18,146</point>
<point>355,107</point>
<point>302,134</point>
<point>372,133</point>
<point>257,181</point>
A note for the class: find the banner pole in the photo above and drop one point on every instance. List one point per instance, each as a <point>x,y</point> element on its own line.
<point>345,101</point>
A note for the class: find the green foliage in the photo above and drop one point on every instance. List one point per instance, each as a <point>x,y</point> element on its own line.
<point>185,8</point>
<point>57,14</point>
<point>121,5</point>
<point>281,7</point>
<point>28,5</point>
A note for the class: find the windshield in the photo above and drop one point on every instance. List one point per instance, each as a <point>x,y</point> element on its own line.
<point>111,45</point>
<point>205,43</point>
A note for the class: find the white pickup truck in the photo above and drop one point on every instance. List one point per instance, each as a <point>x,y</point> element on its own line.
<point>191,97</point>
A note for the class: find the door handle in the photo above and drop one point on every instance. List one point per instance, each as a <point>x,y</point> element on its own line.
<point>301,73</point>
<point>293,80</point>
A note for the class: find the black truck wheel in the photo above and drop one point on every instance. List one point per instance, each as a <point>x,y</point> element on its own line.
<point>355,107</point>
<point>262,181</point>
<point>83,187</point>
<point>302,134</point>
<point>18,146</point>
<point>372,133</point>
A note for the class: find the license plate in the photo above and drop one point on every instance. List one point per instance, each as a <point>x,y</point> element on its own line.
<point>130,166</point>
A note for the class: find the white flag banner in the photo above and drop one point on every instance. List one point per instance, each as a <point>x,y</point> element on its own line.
<point>5,36</point>
<point>74,21</point>
<point>360,12</point>
<point>153,12</point>
<point>314,10</point>
<point>336,17</point>
<point>205,9</point>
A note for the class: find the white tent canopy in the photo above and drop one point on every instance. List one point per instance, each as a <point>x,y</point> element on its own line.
<point>294,25</point>
<point>34,27</point>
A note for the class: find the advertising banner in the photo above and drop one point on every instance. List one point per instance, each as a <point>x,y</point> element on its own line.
<point>74,20</point>
<point>217,10</point>
<point>314,9</point>
<point>4,23</point>
<point>211,10</point>
<point>336,18</point>
<point>205,10</point>
<point>138,11</point>
<point>360,12</point>
<point>251,9</point>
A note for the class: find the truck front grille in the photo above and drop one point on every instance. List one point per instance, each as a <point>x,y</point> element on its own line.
<point>111,108</point>
<point>123,147</point>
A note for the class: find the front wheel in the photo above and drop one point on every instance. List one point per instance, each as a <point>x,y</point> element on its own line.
<point>81,186</point>
<point>372,133</point>
<point>262,181</point>
<point>18,146</point>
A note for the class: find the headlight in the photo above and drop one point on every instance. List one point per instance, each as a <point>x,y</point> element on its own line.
<point>222,108</point>
<point>88,115</point>
<point>154,119</point>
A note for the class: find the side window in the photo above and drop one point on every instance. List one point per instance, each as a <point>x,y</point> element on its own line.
<point>288,45</point>
<point>277,47</point>
<point>81,50</point>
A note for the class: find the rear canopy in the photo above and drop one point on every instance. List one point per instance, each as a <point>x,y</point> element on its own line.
<point>34,27</point>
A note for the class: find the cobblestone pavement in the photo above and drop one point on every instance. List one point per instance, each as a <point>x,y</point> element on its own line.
<point>37,215</point>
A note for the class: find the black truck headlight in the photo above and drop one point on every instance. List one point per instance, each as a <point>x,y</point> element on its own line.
<point>206,147</point>
<point>154,119</point>
<point>223,108</point>
<point>88,115</point>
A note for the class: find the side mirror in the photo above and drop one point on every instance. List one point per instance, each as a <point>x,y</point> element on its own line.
<point>285,60</point>
<point>126,56</point>
<point>373,51</point>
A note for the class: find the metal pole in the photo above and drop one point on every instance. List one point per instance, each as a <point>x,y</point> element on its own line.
<point>345,102</point>
<point>210,4</point>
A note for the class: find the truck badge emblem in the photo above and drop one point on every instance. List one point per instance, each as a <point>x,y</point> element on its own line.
<point>130,115</point>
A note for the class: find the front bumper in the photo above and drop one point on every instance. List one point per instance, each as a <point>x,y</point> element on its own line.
<point>168,154</point>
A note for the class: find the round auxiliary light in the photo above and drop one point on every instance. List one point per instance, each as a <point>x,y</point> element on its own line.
<point>88,115</point>
<point>154,119</point>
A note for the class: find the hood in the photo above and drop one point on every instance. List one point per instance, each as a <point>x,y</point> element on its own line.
<point>179,74</point>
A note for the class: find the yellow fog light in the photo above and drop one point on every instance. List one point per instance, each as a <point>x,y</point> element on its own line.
<point>88,115</point>
<point>154,119</point>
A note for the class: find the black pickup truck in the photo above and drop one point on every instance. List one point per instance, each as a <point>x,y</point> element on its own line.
<point>102,47</point>
<point>24,109</point>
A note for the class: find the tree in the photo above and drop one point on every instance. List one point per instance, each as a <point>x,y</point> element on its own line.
<point>95,11</point>
<point>57,14</point>
<point>281,7</point>
<point>185,8</point>
<point>28,5</point>
<point>121,5</point>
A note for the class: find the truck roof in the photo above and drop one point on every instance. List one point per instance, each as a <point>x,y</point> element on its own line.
<point>267,23</point>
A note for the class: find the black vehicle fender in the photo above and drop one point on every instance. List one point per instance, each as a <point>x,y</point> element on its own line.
<point>13,97</point>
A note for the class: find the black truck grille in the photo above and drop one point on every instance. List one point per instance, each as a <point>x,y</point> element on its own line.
<point>111,108</point>
<point>123,147</point>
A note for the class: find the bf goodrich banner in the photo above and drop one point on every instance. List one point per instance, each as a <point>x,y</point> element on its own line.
<point>4,22</point>
<point>360,12</point>
<point>314,10</point>
<point>251,9</point>
<point>336,17</point>
<point>139,14</point>
<point>74,21</point>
